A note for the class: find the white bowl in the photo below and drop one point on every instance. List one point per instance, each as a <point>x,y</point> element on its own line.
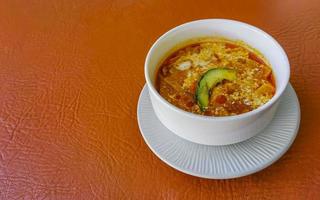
<point>211,130</point>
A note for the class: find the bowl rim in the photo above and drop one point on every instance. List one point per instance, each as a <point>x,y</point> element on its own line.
<point>218,118</point>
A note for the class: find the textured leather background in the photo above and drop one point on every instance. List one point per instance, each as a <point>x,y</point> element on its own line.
<point>70,76</point>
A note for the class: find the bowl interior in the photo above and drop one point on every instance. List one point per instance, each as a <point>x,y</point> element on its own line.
<point>230,29</point>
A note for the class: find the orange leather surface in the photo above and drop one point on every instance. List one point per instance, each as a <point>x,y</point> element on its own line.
<point>70,76</point>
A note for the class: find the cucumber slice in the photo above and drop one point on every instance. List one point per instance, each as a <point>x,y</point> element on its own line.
<point>210,79</point>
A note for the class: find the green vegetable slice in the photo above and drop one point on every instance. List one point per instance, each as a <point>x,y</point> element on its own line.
<point>209,80</point>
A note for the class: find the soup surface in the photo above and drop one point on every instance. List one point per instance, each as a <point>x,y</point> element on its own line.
<point>216,77</point>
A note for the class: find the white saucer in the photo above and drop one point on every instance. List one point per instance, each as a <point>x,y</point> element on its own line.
<point>221,162</point>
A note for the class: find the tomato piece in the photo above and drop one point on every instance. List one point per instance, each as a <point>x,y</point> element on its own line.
<point>220,99</point>
<point>230,46</point>
<point>271,80</point>
<point>190,104</point>
<point>255,58</point>
<point>193,87</point>
<point>217,57</point>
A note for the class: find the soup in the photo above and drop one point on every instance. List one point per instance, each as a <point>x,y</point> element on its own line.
<point>216,77</point>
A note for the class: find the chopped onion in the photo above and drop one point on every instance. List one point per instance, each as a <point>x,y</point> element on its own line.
<point>202,63</point>
<point>184,65</point>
